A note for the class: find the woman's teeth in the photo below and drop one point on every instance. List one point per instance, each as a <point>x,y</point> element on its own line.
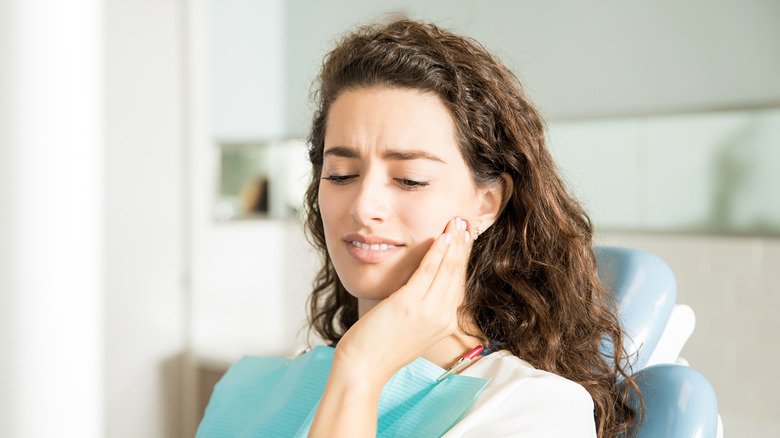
<point>372,247</point>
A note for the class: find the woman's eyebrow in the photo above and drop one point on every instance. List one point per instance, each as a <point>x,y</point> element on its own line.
<point>397,155</point>
<point>342,151</point>
<point>391,154</point>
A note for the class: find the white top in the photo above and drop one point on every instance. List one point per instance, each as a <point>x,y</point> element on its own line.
<point>521,401</point>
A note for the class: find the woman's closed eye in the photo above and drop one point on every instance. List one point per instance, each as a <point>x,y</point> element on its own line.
<point>339,179</point>
<point>410,184</point>
<point>405,183</point>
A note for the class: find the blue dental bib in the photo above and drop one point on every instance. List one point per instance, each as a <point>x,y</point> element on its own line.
<point>278,397</point>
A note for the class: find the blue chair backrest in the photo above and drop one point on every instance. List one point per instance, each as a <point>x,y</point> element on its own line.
<point>679,402</point>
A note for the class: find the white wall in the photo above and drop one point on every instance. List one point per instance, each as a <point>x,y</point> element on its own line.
<point>247,82</point>
<point>92,160</point>
<point>144,217</point>
<point>710,172</point>
<point>579,59</point>
<point>51,231</point>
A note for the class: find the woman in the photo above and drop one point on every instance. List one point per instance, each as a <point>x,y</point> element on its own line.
<point>416,126</point>
<point>443,227</point>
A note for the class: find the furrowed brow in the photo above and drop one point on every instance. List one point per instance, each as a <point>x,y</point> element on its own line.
<point>342,151</point>
<point>410,155</point>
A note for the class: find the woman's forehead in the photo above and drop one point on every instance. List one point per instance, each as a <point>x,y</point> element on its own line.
<point>391,122</point>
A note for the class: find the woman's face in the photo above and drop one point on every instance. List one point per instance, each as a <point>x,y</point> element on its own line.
<point>392,177</point>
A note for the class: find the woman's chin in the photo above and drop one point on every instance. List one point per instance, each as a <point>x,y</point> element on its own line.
<point>371,295</point>
<point>374,286</point>
<point>373,292</point>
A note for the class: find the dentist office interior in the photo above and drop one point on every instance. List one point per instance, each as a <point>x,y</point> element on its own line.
<point>154,162</point>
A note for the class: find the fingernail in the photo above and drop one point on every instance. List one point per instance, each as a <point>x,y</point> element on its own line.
<point>467,237</point>
<point>463,224</point>
<point>457,223</point>
<point>447,238</point>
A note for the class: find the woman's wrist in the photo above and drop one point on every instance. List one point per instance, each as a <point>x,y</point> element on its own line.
<point>362,373</point>
<point>349,405</point>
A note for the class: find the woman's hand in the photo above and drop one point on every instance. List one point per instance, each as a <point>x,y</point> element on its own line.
<point>394,333</point>
<point>410,321</point>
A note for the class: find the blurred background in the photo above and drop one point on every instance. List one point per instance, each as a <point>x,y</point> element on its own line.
<point>152,162</point>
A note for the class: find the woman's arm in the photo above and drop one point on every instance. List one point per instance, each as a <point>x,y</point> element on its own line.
<point>394,333</point>
<point>348,407</point>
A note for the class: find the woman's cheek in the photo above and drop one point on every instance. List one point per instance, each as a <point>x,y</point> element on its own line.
<point>433,211</point>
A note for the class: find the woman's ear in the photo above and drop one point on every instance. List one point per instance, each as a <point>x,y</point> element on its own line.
<point>491,200</point>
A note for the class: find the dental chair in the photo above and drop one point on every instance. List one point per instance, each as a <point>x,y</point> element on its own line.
<point>679,401</point>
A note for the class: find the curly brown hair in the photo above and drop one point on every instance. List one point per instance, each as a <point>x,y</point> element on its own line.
<point>532,286</point>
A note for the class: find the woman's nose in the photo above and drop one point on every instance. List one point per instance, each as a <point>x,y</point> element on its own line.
<point>371,202</point>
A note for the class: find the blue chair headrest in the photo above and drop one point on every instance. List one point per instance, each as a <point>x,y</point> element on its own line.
<point>645,290</point>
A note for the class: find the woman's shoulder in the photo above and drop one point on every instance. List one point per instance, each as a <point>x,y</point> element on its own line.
<point>515,377</point>
<point>502,367</point>
<point>523,400</point>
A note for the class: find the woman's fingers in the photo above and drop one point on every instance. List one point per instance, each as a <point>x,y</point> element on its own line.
<point>448,286</point>
<point>423,277</point>
<point>443,274</point>
<point>437,287</point>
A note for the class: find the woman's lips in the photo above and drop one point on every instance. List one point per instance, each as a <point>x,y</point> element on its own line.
<point>370,249</point>
<point>370,239</point>
<point>372,246</point>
